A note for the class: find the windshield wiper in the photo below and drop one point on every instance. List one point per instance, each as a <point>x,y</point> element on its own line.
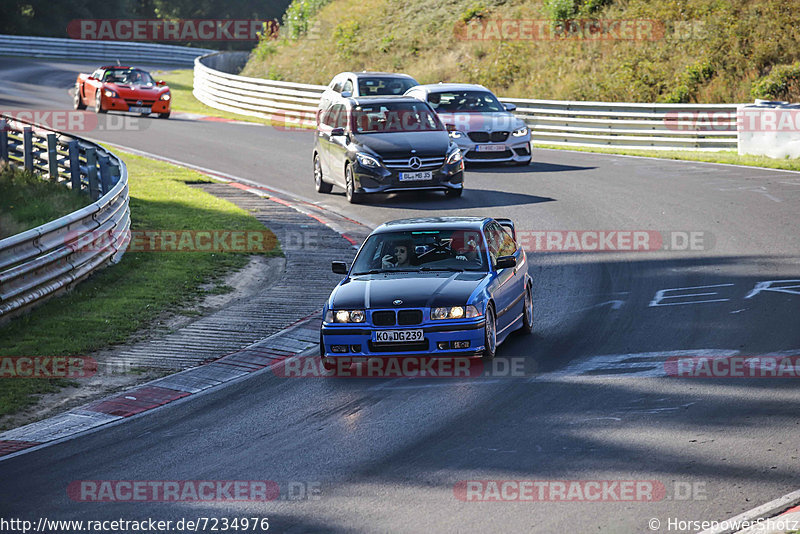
<point>451,269</point>
<point>386,271</point>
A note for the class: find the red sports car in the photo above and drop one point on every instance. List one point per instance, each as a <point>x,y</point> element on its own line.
<point>122,89</point>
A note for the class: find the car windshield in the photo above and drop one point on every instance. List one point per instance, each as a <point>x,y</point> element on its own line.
<point>132,76</point>
<point>384,86</point>
<point>425,250</point>
<point>465,102</point>
<point>395,117</point>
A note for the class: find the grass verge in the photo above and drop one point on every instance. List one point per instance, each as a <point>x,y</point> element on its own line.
<point>725,156</point>
<point>114,303</point>
<point>28,201</point>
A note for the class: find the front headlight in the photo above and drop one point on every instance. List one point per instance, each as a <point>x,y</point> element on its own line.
<point>345,316</point>
<point>454,156</point>
<point>110,94</point>
<point>165,96</point>
<point>520,132</point>
<point>365,160</point>
<point>455,312</point>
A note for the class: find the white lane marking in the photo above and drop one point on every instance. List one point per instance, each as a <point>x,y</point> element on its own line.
<point>661,295</point>
<point>608,364</point>
<point>768,286</point>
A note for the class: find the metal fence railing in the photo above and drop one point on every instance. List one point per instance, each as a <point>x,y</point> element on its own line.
<point>110,51</point>
<point>255,97</point>
<point>552,122</point>
<point>43,261</point>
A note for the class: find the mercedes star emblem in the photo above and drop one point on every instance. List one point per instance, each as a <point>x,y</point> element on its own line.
<point>415,163</point>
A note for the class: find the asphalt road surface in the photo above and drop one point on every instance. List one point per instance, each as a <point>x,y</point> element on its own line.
<point>594,402</point>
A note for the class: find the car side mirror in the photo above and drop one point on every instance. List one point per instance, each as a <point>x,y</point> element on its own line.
<point>337,132</point>
<point>161,82</point>
<point>450,127</point>
<point>510,107</point>
<point>505,262</point>
<point>346,94</point>
<point>340,267</point>
<point>91,78</point>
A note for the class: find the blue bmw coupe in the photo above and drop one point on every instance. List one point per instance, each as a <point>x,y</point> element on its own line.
<point>441,286</point>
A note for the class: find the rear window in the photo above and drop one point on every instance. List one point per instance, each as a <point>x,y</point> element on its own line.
<point>384,86</point>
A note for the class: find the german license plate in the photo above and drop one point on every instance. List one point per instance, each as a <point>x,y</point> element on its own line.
<point>397,336</point>
<point>416,176</point>
<point>136,109</point>
<point>491,148</point>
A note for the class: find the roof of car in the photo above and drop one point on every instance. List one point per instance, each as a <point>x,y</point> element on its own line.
<point>359,100</point>
<point>432,223</point>
<point>117,67</point>
<point>441,87</point>
<point>381,74</point>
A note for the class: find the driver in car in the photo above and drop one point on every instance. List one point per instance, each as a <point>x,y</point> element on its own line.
<point>400,258</point>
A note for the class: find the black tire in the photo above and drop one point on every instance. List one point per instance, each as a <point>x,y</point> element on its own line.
<point>319,184</point>
<point>77,102</point>
<point>490,335</point>
<point>350,187</point>
<point>164,115</point>
<point>527,312</point>
<point>98,102</point>
<point>454,193</point>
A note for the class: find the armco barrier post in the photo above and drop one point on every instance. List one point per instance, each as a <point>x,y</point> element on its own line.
<point>74,165</point>
<point>3,140</point>
<point>105,174</point>
<point>52,157</point>
<point>91,173</point>
<point>27,147</point>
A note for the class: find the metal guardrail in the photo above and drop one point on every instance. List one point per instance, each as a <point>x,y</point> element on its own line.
<point>43,261</point>
<point>553,122</point>
<point>255,97</point>
<point>110,51</point>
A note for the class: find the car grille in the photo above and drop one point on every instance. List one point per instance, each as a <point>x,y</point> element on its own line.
<point>486,137</point>
<point>400,347</point>
<point>134,102</point>
<point>402,163</point>
<point>404,317</point>
<point>383,318</point>
<point>407,317</point>
<point>474,154</point>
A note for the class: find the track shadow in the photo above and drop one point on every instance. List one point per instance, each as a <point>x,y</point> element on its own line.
<point>535,166</point>
<point>436,200</point>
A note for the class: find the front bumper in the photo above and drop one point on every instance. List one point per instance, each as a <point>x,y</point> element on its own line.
<point>383,180</point>
<point>357,338</point>
<point>120,104</point>
<point>516,151</point>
